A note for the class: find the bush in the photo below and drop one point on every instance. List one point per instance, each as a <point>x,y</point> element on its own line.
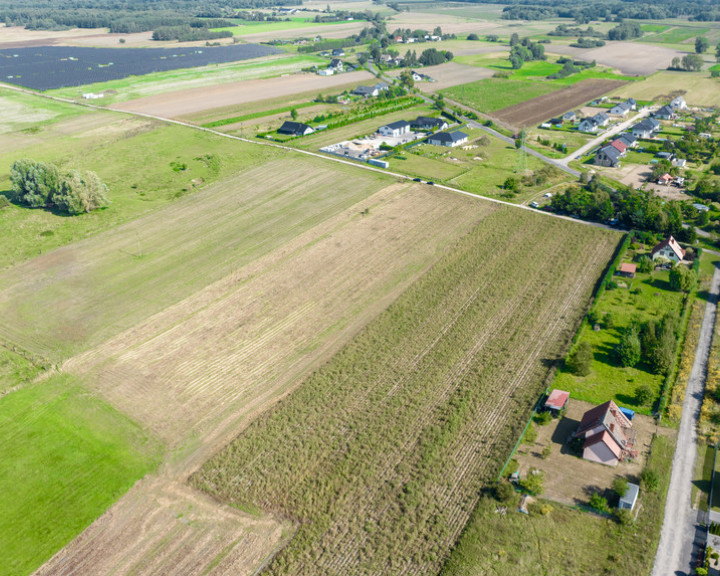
<point>543,418</point>
<point>530,435</point>
<point>682,278</point>
<point>624,516</point>
<point>599,503</point>
<point>643,394</point>
<point>580,360</point>
<point>473,37</point>
<point>504,491</point>
<point>609,321</point>
<point>533,482</point>
<point>546,451</point>
<point>650,480</point>
<point>645,264</point>
<point>628,349</point>
<point>620,486</point>
<point>4,202</point>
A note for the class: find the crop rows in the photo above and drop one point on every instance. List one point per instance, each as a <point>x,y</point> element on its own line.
<point>380,454</point>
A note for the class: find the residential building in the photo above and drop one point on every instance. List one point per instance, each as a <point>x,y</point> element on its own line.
<point>621,109</point>
<point>601,119</point>
<point>569,116</point>
<point>426,123</point>
<point>679,162</point>
<point>678,103</point>
<point>629,139</point>
<point>669,249</point>
<point>607,433</point>
<point>588,125</point>
<point>326,72</point>
<point>365,91</point>
<point>620,146</point>
<point>646,128</point>
<point>395,129</point>
<point>295,129</point>
<point>338,53</point>
<point>665,113</point>
<point>448,139</point>
<point>608,156</point>
<point>336,64</point>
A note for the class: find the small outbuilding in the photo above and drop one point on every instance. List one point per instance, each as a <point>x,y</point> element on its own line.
<point>626,270</point>
<point>628,501</point>
<point>557,401</point>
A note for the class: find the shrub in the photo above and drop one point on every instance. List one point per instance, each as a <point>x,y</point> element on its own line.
<point>473,36</point>
<point>504,491</point>
<point>650,480</point>
<point>624,516</point>
<point>546,451</point>
<point>4,202</point>
<point>530,435</point>
<point>580,360</point>
<point>620,486</point>
<point>599,503</point>
<point>645,264</point>
<point>542,418</point>
<point>533,482</point>
<point>643,394</point>
<point>628,349</point>
<point>609,321</point>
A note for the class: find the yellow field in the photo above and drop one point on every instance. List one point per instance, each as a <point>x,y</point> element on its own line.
<point>697,87</point>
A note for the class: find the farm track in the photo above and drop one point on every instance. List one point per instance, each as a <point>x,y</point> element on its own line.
<point>394,391</point>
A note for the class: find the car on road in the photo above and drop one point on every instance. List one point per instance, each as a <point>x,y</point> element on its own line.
<point>417,180</point>
<point>534,205</point>
<point>431,183</point>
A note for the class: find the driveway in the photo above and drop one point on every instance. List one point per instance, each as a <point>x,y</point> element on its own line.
<point>680,526</point>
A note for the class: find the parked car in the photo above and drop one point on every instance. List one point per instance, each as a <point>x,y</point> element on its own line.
<point>534,205</point>
<point>431,183</point>
<point>417,180</point>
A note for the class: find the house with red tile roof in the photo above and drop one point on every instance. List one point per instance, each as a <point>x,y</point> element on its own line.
<point>607,433</point>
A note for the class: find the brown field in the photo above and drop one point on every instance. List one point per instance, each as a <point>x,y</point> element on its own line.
<point>546,106</point>
<point>628,57</point>
<point>449,74</point>
<point>195,100</point>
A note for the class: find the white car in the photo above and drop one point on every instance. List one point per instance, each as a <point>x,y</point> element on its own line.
<point>534,205</point>
<point>547,195</point>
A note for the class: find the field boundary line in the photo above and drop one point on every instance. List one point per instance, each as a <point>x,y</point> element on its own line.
<point>323,157</point>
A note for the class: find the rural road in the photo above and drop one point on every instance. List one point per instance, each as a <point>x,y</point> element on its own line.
<point>605,135</point>
<point>674,555</point>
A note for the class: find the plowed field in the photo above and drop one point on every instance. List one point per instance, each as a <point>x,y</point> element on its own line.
<point>379,455</point>
<point>547,106</point>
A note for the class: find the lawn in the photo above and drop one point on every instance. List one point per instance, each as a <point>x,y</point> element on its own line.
<point>66,457</point>
<point>646,297</point>
<point>571,138</point>
<point>699,88</point>
<point>427,400</point>
<point>496,93</point>
<point>15,370</point>
<point>565,540</point>
<point>160,82</point>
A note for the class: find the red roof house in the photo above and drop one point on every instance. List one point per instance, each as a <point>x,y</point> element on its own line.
<point>668,248</point>
<point>665,179</point>
<point>608,434</point>
<point>626,269</point>
<point>619,145</point>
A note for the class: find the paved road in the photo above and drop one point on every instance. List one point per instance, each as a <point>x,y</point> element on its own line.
<point>675,551</point>
<point>605,135</point>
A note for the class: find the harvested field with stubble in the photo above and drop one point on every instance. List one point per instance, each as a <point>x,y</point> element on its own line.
<point>547,106</point>
<point>195,100</point>
<point>380,454</point>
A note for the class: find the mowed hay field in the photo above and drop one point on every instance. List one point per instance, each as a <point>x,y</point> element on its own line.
<point>380,454</point>
<point>697,88</point>
<point>547,106</point>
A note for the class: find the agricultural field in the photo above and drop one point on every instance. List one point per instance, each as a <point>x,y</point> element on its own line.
<point>189,78</point>
<point>697,88</point>
<point>646,297</point>
<point>554,539</point>
<point>496,93</point>
<point>422,402</point>
<point>193,101</point>
<point>67,456</point>
<point>447,75</point>
<point>245,27</point>
<point>50,67</point>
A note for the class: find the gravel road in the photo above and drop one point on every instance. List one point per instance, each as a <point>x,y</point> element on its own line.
<point>674,554</point>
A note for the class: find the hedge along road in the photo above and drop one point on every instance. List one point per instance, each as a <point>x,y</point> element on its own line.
<point>331,159</point>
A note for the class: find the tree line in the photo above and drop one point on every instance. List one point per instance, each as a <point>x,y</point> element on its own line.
<point>43,185</point>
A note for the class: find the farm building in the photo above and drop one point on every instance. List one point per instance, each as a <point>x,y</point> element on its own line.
<point>395,129</point>
<point>608,156</point>
<point>417,77</point>
<point>557,401</point>
<point>628,501</point>
<point>295,129</point>
<point>668,248</point>
<point>626,270</point>
<point>665,113</point>
<point>646,128</point>
<point>448,139</point>
<point>678,103</point>
<point>427,123</point>
<point>607,433</point>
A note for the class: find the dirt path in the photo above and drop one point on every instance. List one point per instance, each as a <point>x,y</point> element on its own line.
<point>675,551</point>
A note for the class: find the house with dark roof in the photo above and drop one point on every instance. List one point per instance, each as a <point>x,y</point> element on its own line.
<point>665,113</point>
<point>336,64</point>
<point>338,52</point>
<point>629,140</point>
<point>601,119</point>
<point>621,109</point>
<point>608,156</point>
<point>588,125</point>
<point>668,249</point>
<point>395,129</point>
<point>295,129</point>
<point>426,123</point>
<point>607,434</point>
<point>569,116</point>
<point>646,128</point>
<point>448,139</point>
<point>366,91</point>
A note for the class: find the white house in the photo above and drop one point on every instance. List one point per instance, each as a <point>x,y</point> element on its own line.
<point>326,72</point>
<point>678,103</point>
<point>395,129</point>
<point>669,249</point>
<point>451,139</point>
<point>588,125</point>
<point>646,128</point>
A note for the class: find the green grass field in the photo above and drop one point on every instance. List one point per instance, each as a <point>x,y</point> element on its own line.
<point>255,27</point>
<point>648,296</point>
<point>160,82</point>
<point>496,93</point>
<point>15,370</point>
<point>557,544</point>
<point>66,457</point>
<point>28,115</point>
<point>426,403</point>
<point>676,35</point>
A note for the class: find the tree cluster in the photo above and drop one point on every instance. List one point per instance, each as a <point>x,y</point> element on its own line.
<point>524,50</point>
<point>187,33</point>
<point>43,185</point>
<point>652,343</point>
<point>688,63</point>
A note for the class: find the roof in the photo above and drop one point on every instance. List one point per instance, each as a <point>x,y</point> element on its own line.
<point>674,246</point>
<point>623,106</point>
<point>334,62</point>
<point>601,117</point>
<point>646,125</point>
<point>449,136</point>
<point>569,115</point>
<point>606,438</point>
<point>611,152</point>
<point>666,177</point>
<point>381,86</point>
<point>619,145</point>
<point>427,120</point>
<point>633,490</point>
<point>364,90</point>
<point>665,111</point>
<point>396,125</point>
<point>608,415</point>
<point>557,399</point>
<point>628,139</point>
<point>290,127</point>
<point>627,268</point>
